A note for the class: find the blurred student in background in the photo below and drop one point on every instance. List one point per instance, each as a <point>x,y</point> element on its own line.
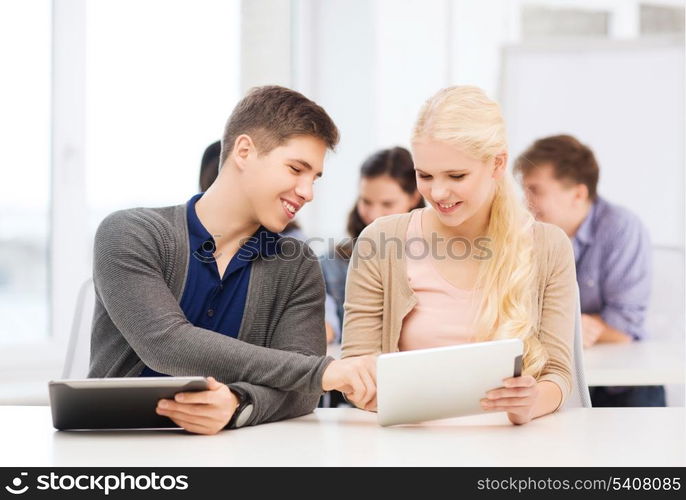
<point>611,249</point>
<point>209,165</point>
<point>387,186</point>
<point>492,271</point>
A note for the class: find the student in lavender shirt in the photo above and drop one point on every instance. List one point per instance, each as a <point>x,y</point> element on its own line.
<point>611,248</point>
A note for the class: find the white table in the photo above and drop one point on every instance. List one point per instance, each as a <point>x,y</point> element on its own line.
<point>648,362</point>
<point>347,437</point>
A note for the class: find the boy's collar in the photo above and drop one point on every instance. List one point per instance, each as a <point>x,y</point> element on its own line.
<point>263,242</point>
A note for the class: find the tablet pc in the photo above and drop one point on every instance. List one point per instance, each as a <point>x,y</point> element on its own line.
<point>116,403</point>
<point>442,382</point>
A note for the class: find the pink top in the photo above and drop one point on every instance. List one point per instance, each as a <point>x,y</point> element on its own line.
<point>444,314</point>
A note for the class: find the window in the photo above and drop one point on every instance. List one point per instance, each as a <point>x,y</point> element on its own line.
<point>662,19</point>
<point>105,105</point>
<point>539,22</point>
<point>25,173</point>
<point>161,78</point>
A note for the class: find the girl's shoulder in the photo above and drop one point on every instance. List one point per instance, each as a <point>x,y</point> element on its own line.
<point>548,234</point>
<point>552,245</point>
<point>390,226</point>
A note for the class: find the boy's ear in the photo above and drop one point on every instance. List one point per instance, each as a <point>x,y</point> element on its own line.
<point>243,147</point>
<point>581,193</point>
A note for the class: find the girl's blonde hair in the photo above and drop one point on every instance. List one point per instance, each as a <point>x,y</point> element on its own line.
<point>466,118</point>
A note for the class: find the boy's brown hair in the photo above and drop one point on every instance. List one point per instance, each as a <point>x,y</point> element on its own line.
<point>571,161</point>
<point>271,115</point>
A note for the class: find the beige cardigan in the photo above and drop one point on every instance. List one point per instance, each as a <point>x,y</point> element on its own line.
<point>378,295</point>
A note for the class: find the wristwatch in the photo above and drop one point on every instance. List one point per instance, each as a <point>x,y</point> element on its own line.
<point>244,409</point>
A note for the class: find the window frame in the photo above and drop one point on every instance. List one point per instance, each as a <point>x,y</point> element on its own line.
<point>68,255</point>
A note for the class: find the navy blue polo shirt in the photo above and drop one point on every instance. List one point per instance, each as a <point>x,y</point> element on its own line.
<point>209,301</point>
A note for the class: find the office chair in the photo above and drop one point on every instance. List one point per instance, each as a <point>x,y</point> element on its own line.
<point>78,350</point>
<point>579,397</point>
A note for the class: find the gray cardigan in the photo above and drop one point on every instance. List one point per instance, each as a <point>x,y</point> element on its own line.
<point>139,271</point>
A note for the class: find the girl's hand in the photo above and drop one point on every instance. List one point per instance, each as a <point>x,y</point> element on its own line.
<point>517,397</point>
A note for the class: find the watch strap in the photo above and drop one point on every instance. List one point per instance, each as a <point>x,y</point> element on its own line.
<point>244,409</point>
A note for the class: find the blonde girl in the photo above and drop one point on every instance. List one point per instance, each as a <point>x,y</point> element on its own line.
<point>472,266</point>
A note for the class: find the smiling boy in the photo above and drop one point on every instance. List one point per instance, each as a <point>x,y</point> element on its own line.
<point>210,287</point>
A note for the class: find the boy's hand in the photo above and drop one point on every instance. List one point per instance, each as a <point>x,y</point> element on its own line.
<point>330,333</point>
<point>202,412</point>
<point>355,377</point>
<point>591,328</point>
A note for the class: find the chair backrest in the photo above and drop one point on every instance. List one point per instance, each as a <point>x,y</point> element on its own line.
<point>579,397</point>
<point>665,315</point>
<point>78,351</point>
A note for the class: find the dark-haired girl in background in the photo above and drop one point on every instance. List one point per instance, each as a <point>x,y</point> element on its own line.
<point>388,186</point>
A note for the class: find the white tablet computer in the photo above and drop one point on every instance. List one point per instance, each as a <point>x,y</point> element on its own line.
<point>442,382</point>
<point>116,403</point>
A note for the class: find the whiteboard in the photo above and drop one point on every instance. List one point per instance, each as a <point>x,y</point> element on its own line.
<point>625,100</point>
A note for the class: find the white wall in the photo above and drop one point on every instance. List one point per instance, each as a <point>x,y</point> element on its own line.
<point>341,80</point>
<point>371,65</point>
<point>266,43</point>
<point>412,61</point>
<point>479,30</point>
